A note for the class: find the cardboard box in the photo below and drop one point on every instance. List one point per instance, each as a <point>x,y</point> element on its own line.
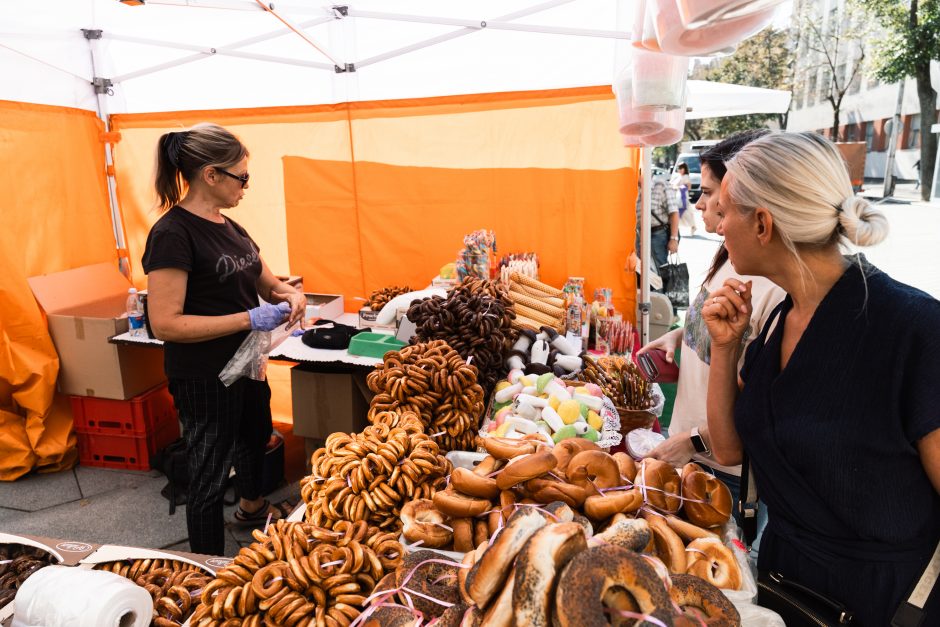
<point>66,552</point>
<point>85,307</point>
<point>325,306</point>
<point>324,403</point>
<point>367,319</point>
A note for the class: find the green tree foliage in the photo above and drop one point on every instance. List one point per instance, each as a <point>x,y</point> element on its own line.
<point>761,61</point>
<point>911,39</point>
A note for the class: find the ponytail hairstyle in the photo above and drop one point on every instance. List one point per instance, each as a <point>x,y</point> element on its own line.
<point>182,155</point>
<point>802,180</point>
<point>715,158</point>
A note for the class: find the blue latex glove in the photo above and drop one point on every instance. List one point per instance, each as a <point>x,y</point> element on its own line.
<point>267,317</point>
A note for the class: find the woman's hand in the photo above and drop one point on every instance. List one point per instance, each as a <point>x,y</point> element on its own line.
<point>675,451</point>
<point>668,343</point>
<point>298,306</point>
<point>727,313</point>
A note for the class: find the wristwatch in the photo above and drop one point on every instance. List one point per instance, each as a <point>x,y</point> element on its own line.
<point>674,238</point>
<point>698,442</point>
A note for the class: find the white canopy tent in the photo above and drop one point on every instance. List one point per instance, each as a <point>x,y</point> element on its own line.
<point>171,55</point>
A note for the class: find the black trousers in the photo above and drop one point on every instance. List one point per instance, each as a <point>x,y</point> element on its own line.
<point>222,426</point>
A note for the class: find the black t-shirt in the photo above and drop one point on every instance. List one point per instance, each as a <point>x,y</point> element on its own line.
<point>224,265</point>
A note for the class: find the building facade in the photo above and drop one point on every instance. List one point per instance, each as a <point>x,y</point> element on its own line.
<point>828,49</point>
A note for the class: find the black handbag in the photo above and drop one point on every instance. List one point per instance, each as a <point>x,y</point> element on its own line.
<point>329,335</point>
<point>675,276</point>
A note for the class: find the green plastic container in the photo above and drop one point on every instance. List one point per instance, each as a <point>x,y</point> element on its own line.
<point>373,344</point>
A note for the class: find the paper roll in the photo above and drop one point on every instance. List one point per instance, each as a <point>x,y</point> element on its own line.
<point>63,596</point>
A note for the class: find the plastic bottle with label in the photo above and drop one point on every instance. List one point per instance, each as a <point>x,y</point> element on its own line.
<point>135,315</point>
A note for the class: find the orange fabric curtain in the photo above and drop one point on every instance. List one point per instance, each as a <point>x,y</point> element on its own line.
<point>56,216</point>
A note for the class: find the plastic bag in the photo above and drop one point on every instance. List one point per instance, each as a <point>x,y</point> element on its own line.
<point>251,358</point>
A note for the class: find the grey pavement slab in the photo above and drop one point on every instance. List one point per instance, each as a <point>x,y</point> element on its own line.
<point>135,516</point>
<point>38,491</point>
<point>93,481</point>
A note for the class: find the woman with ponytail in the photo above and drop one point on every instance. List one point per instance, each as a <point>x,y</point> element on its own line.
<point>205,278</point>
<point>837,405</point>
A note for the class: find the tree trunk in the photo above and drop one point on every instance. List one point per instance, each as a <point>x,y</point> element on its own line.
<point>835,122</point>
<point>928,139</point>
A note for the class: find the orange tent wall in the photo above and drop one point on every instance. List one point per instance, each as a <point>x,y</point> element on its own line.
<point>55,216</point>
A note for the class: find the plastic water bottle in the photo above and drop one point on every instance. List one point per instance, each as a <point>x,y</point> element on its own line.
<point>135,315</point>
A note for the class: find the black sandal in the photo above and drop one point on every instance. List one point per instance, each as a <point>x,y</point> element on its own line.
<point>241,518</point>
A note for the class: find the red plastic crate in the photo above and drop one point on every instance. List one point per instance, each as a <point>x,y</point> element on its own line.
<point>138,416</point>
<point>125,452</point>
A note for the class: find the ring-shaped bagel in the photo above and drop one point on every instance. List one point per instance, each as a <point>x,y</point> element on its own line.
<point>525,468</point>
<point>457,505</point>
<point>568,448</point>
<point>711,560</point>
<point>507,448</point>
<point>706,500</point>
<point>472,484</point>
<point>590,580</point>
<point>601,507</point>
<point>627,466</point>
<point>421,521</point>
<point>709,606</point>
<point>669,546</point>
<point>593,471</point>
<point>660,484</point>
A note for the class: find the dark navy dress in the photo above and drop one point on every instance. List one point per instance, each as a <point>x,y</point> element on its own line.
<point>832,442</point>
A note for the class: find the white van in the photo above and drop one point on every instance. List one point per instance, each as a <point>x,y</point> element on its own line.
<point>690,156</point>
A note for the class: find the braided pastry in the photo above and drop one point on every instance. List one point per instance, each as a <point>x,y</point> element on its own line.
<point>368,476</point>
<point>433,381</point>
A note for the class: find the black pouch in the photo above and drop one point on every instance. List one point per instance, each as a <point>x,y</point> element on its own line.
<point>798,605</point>
<point>172,462</point>
<point>329,335</point>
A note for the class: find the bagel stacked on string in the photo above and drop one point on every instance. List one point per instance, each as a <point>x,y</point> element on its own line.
<point>379,298</point>
<point>17,563</point>
<point>174,585</point>
<point>299,574</point>
<point>542,568</point>
<point>434,382</point>
<point>368,476</point>
<point>475,320</point>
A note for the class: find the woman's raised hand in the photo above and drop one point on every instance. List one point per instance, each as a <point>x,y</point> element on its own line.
<point>727,313</point>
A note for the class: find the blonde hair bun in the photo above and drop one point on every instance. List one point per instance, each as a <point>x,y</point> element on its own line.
<point>862,224</point>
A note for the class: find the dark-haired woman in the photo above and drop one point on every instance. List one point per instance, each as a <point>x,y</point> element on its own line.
<point>205,277</point>
<point>689,425</point>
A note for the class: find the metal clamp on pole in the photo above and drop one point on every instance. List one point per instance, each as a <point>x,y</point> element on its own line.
<point>340,11</point>
<point>102,85</point>
<point>341,69</point>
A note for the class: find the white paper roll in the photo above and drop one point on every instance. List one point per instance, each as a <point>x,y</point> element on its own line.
<point>60,596</point>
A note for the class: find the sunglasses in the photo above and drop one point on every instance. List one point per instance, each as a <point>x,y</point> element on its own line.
<point>243,178</point>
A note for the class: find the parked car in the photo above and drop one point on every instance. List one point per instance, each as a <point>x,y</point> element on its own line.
<point>661,173</point>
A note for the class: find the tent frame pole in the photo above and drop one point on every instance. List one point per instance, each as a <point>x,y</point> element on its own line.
<point>102,87</point>
<point>644,305</point>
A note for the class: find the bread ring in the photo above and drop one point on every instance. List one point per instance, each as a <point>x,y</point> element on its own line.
<point>632,534</point>
<point>486,466</point>
<point>429,578</point>
<point>706,500</point>
<point>522,469</point>
<point>548,490</point>
<point>690,592</point>
<point>456,505</point>
<point>593,471</point>
<point>392,616</point>
<point>669,546</point>
<point>481,532</point>
<point>463,534</point>
<point>599,507</point>
<point>626,465</point>
<point>583,588</point>
<point>568,448</point>
<point>660,484</point>
<point>538,567</point>
<point>687,531</point>
<point>507,448</point>
<point>499,516</point>
<point>472,484</point>
<point>711,560</point>
<point>422,521</point>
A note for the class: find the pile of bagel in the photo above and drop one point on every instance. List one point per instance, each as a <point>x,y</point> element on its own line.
<point>434,382</point>
<point>17,563</point>
<point>544,567</point>
<point>683,512</point>
<point>368,476</point>
<point>299,574</point>
<point>174,585</point>
<point>379,298</point>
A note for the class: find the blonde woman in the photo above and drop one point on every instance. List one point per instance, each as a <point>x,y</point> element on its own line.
<point>837,404</point>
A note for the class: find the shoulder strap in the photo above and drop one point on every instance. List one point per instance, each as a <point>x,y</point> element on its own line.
<point>911,611</point>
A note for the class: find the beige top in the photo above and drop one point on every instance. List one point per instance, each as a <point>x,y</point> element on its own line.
<point>689,409</point>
